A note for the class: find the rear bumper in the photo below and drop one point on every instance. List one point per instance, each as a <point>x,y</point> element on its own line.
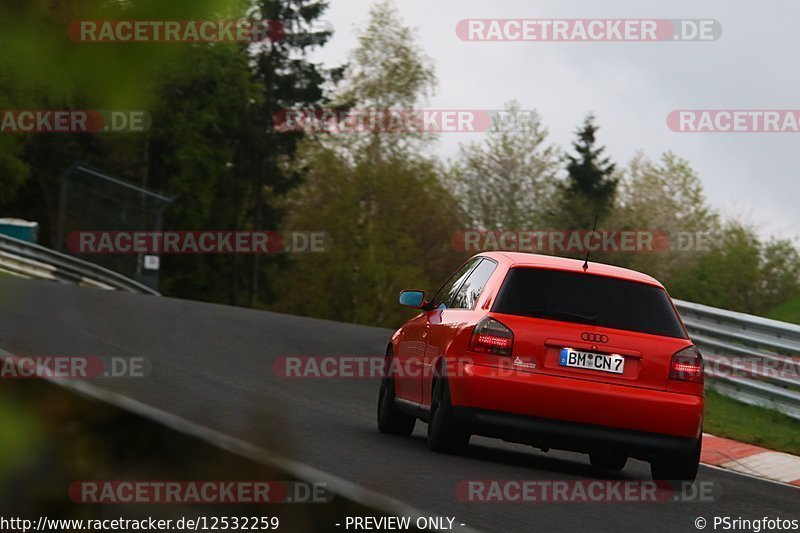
<point>572,413</point>
<point>557,434</point>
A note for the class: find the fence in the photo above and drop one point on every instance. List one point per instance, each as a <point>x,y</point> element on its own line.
<point>753,359</point>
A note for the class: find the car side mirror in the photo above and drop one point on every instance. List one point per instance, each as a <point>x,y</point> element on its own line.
<point>411,298</point>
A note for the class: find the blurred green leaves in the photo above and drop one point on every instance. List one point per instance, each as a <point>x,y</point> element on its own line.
<point>42,62</point>
<point>742,272</point>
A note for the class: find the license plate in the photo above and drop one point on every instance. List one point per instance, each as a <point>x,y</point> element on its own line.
<point>592,361</point>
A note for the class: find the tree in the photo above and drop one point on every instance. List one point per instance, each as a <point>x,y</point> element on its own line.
<point>742,273</point>
<point>509,180</point>
<point>780,272</point>
<point>43,69</point>
<point>201,119</point>
<point>590,186</point>
<point>378,197</point>
<point>725,265</point>
<point>666,194</point>
<point>389,225</point>
<point>287,79</point>
<point>665,197</point>
<point>387,70</point>
<point>212,143</point>
<point>221,153</point>
<point>14,170</point>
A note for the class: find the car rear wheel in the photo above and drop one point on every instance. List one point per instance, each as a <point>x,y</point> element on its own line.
<point>390,419</point>
<point>445,434</point>
<point>608,460</point>
<point>678,467</point>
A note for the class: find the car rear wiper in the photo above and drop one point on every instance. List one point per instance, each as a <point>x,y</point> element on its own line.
<point>577,317</point>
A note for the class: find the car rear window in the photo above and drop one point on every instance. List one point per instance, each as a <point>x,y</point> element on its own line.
<point>588,299</point>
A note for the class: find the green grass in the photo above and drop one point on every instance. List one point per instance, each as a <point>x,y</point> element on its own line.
<point>787,312</point>
<point>726,417</point>
<point>20,431</point>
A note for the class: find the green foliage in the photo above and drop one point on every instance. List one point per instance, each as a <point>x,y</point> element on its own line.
<point>203,110</point>
<point>40,53</point>
<point>788,311</point>
<point>44,69</point>
<point>22,431</point>
<point>509,180</point>
<point>13,168</point>
<point>390,208</point>
<point>387,70</point>
<point>667,194</point>
<point>212,142</point>
<point>726,417</point>
<point>380,200</point>
<point>590,187</point>
<point>390,224</point>
<point>667,198</point>
<point>742,273</point>
<point>506,183</point>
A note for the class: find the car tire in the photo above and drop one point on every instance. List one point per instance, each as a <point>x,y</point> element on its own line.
<point>678,467</point>
<point>608,460</point>
<point>391,420</point>
<point>445,434</point>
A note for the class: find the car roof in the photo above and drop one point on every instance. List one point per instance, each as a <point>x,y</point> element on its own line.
<point>522,259</point>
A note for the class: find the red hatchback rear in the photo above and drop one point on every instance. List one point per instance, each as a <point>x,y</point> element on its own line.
<point>538,350</point>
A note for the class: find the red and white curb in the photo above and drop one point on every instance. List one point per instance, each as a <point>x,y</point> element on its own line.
<point>749,459</point>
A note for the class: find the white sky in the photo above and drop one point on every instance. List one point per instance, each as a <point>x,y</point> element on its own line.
<point>630,86</point>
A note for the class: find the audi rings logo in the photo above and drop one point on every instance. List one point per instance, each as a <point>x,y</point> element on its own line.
<point>594,337</point>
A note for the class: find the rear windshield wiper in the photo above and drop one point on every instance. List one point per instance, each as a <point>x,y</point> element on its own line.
<point>575,317</point>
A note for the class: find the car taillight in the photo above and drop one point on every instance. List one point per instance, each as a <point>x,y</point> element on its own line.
<point>490,336</point>
<point>687,365</point>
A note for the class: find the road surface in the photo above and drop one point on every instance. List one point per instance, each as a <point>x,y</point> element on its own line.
<point>213,365</point>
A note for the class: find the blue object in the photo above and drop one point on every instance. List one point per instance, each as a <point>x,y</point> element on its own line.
<point>412,298</point>
<point>20,229</point>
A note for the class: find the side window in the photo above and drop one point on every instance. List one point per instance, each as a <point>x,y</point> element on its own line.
<point>448,290</point>
<point>467,296</point>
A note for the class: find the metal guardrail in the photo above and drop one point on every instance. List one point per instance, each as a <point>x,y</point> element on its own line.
<point>28,260</point>
<point>753,359</point>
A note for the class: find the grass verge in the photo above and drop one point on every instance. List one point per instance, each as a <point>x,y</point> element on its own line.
<point>788,312</point>
<point>726,417</point>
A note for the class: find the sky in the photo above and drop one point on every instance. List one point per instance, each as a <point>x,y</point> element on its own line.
<point>631,87</point>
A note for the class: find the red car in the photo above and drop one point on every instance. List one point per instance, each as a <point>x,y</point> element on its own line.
<point>541,350</point>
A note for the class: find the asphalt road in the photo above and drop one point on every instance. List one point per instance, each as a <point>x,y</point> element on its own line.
<point>213,365</point>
